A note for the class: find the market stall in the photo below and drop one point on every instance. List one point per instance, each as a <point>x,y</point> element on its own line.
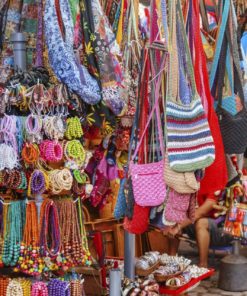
<point>117,118</point>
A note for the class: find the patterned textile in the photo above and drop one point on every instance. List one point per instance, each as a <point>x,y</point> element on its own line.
<point>106,51</point>
<point>61,54</point>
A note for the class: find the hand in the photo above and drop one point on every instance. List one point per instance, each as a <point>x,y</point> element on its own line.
<point>175,230</point>
<point>172,231</point>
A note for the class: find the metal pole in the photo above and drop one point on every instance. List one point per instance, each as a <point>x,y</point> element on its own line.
<point>115,282</point>
<point>129,255</point>
<point>19,47</point>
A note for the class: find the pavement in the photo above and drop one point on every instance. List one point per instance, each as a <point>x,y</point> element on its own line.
<point>209,286</point>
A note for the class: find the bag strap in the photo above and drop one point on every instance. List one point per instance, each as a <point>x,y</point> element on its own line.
<point>187,52</point>
<point>225,14</point>
<point>156,102</point>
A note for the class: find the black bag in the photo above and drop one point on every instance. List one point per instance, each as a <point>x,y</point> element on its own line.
<point>233,127</point>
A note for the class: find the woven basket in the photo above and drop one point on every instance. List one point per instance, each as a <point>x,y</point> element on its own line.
<point>162,278</point>
<point>147,272</point>
<point>106,212</point>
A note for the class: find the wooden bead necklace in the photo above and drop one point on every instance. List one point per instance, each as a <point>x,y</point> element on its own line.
<point>4,281</point>
<point>50,239</point>
<point>70,233</point>
<point>76,288</point>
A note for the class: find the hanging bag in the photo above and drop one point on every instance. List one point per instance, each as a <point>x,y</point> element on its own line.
<point>148,179</point>
<point>209,184</point>
<point>61,54</point>
<point>189,141</point>
<point>233,127</point>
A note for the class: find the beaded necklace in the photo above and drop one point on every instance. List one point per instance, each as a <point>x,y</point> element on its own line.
<point>70,233</point>
<point>54,127</point>
<point>38,182</point>
<point>74,129</point>
<point>26,286</point>
<point>30,153</point>
<point>50,243</point>
<point>14,231</point>
<point>29,261</point>
<point>14,288</point>
<point>4,281</point>
<point>51,151</point>
<point>59,288</point>
<point>76,288</point>
<point>33,127</point>
<point>39,289</point>
<point>75,154</point>
<point>60,180</point>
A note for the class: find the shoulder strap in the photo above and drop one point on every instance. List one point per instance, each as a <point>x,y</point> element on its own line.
<point>156,102</point>
<point>224,19</point>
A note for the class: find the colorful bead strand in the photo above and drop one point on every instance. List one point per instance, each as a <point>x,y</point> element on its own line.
<point>39,289</point>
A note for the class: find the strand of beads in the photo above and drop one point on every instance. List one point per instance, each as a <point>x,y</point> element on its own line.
<point>8,157</point>
<point>60,180</point>
<point>4,214</point>
<point>75,154</point>
<point>74,129</point>
<point>51,151</point>
<point>38,183</point>
<point>50,239</point>
<point>29,261</point>
<point>39,289</point>
<point>57,287</point>
<point>33,127</point>
<point>30,153</point>
<point>11,179</point>
<point>70,234</point>
<point>54,127</point>
<point>76,288</point>
<point>4,281</point>
<point>26,286</point>
<point>14,288</point>
<point>13,236</point>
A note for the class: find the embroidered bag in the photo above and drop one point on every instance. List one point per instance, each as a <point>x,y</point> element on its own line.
<point>148,179</point>
<point>61,54</point>
<point>189,141</point>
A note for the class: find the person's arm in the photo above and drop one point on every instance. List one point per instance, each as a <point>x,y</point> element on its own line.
<point>200,212</point>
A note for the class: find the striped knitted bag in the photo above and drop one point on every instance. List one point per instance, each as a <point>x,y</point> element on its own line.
<point>189,141</point>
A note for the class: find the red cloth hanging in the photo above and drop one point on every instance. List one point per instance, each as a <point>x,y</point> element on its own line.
<point>215,175</point>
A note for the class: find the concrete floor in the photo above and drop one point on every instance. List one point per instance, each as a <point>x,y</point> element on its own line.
<point>209,286</point>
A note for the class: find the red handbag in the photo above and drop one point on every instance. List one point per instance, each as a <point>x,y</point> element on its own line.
<point>139,222</point>
<point>216,174</point>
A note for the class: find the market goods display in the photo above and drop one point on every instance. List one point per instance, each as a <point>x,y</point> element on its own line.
<point>128,111</point>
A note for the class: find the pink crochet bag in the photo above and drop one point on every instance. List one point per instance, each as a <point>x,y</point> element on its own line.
<point>177,206</point>
<point>148,179</point>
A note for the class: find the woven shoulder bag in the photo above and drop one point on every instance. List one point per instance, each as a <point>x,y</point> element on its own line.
<point>190,144</point>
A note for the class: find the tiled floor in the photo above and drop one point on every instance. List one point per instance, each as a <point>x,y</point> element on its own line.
<point>209,286</point>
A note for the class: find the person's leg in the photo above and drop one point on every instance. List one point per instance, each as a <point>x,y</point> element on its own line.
<point>173,246</point>
<point>203,240</point>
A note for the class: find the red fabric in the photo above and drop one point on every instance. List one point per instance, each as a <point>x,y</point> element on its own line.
<point>139,222</point>
<point>202,198</point>
<point>215,175</point>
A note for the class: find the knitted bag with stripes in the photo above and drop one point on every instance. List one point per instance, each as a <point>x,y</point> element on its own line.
<point>190,144</point>
<point>189,141</point>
